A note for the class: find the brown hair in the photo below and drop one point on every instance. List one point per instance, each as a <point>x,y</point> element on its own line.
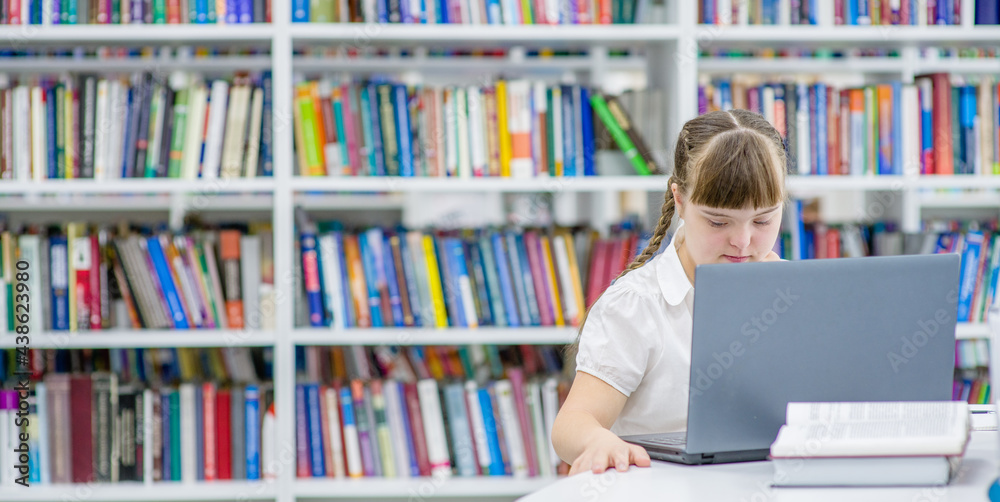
<point>723,159</point>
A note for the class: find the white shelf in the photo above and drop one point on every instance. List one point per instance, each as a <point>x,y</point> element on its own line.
<point>744,37</point>
<point>213,65</point>
<point>350,202</point>
<point>958,200</point>
<point>821,183</point>
<point>965,331</point>
<point>448,336</point>
<point>138,186</point>
<point>796,184</point>
<point>67,202</point>
<point>491,184</point>
<point>176,34</point>
<point>958,65</point>
<point>419,488</point>
<point>846,65</point>
<point>756,65</point>
<point>466,36</point>
<point>957,181</point>
<point>380,184</point>
<point>806,184</point>
<point>479,65</point>
<point>139,492</point>
<point>122,339</point>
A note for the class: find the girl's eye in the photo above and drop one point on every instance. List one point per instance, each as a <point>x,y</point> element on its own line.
<point>716,224</point>
<point>763,223</point>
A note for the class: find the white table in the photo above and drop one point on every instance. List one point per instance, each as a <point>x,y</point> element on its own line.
<point>751,482</point>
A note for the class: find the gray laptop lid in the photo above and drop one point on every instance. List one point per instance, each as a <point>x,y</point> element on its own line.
<point>850,329</point>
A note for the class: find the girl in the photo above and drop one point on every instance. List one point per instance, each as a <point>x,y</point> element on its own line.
<point>634,357</point>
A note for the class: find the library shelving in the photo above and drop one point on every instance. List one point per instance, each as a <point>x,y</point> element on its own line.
<point>451,336</point>
<point>165,34</point>
<point>146,338</point>
<point>139,492</point>
<point>667,54</point>
<point>831,37</point>
<point>455,488</point>
<point>493,36</point>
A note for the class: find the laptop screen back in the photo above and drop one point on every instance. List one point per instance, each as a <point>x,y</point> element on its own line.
<point>851,329</point>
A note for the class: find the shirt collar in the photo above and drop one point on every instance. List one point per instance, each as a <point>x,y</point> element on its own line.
<point>674,283</point>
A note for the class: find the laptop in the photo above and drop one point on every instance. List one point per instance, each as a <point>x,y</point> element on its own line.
<point>849,329</point>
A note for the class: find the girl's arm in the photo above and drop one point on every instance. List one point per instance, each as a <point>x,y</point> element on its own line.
<point>581,434</point>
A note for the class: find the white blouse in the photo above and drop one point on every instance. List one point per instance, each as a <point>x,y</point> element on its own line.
<point>637,338</point>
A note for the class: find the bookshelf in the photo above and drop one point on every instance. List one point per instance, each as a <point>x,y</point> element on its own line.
<point>456,488</point>
<point>667,53</point>
<point>451,336</point>
<point>136,492</point>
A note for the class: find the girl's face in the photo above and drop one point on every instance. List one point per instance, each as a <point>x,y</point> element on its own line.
<point>713,235</point>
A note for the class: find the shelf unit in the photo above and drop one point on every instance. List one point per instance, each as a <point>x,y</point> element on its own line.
<point>419,488</point>
<point>133,492</point>
<point>124,339</point>
<point>670,61</point>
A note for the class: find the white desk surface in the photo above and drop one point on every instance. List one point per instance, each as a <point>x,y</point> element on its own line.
<point>751,482</point>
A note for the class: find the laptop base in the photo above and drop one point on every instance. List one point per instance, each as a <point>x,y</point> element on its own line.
<point>653,443</point>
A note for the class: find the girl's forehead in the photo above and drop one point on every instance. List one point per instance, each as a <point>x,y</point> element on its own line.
<point>749,209</point>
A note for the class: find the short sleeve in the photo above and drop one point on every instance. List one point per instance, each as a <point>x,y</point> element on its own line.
<point>621,338</point>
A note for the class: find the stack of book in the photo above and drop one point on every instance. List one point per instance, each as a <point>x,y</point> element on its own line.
<point>424,412</point>
<point>96,279</point>
<point>152,415</point>
<point>972,379</point>
<point>515,128</point>
<point>477,12</point>
<point>846,12</point>
<point>943,124</point>
<point>140,126</point>
<point>870,444</point>
<point>439,278</point>
<point>48,12</point>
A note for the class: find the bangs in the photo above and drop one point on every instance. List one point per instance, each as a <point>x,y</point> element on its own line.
<point>740,168</point>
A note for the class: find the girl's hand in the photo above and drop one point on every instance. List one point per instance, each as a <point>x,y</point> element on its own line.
<point>608,450</point>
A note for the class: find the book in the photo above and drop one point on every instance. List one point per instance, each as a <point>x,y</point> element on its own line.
<point>902,443</point>
<point>871,471</point>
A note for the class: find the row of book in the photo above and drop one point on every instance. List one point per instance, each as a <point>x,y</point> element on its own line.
<point>478,12</point>
<point>980,251</point>
<point>84,428</point>
<point>805,236</point>
<point>487,277</point>
<point>973,387</point>
<point>971,354</point>
<point>939,125</point>
<point>978,246</point>
<point>515,128</point>
<point>845,12</point>
<point>156,367</point>
<point>206,414</point>
<point>852,53</point>
<point>92,279</point>
<point>409,363</point>
<point>60,12</point>
<point>747,12</point>
<point>140,126</point>
<point>914,12</point>
<point>417,411</point>
<point>389,428</point>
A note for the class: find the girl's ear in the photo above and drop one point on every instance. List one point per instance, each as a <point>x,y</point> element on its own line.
<point>678,199</point>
